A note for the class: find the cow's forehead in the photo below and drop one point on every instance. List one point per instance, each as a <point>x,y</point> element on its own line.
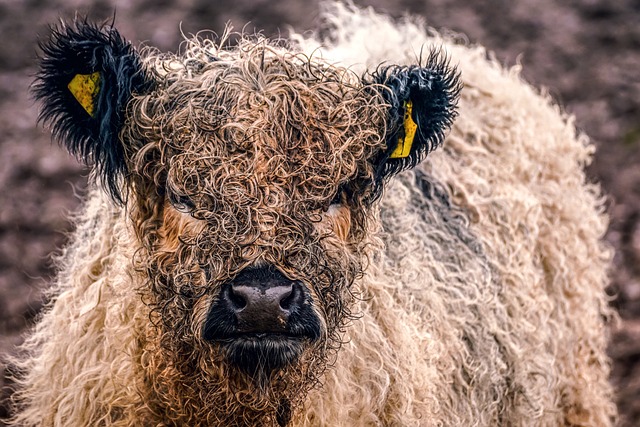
<point>257,111</point>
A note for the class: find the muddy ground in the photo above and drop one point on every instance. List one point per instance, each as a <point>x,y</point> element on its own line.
<point>586,52</point>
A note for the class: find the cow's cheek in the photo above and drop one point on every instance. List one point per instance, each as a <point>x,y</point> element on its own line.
<point>199,315</point>
<point>337,220</point>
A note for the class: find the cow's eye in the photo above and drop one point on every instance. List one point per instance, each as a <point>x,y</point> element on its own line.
<point>181,202</point>
<point>337,199</point>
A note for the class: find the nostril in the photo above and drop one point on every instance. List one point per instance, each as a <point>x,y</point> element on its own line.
<point>287,299</point>
<point>237,301</point>
<point>292,298</point>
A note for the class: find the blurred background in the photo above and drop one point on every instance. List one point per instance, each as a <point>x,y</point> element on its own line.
<point>585,52</point>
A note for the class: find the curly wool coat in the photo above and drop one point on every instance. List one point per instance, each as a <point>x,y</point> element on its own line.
<point>468,289</point>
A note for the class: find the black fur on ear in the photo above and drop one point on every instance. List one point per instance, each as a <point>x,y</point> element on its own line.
<point>90,129</point>
<point>422,99</point>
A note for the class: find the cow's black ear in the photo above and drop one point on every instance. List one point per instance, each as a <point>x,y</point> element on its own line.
<point>422,103</point>
<point>87,75</point>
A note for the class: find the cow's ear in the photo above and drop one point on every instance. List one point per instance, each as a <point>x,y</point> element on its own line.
<point>422,103</point>
<point>87,75</point>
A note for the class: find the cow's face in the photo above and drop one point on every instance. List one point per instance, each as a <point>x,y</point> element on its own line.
<point>251,175</point>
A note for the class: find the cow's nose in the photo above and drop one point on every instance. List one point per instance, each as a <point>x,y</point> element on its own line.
<point>263,306</point>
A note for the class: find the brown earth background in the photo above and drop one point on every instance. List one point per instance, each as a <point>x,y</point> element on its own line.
<point>585,52</point>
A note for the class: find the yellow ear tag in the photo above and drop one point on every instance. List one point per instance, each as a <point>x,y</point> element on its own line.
<point>84,88</point>
<point>403,148</point>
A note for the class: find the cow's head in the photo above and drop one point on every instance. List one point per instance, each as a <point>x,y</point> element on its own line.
<point>251,174</point>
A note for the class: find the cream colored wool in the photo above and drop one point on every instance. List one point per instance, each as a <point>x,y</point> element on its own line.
<point>484,305</point>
